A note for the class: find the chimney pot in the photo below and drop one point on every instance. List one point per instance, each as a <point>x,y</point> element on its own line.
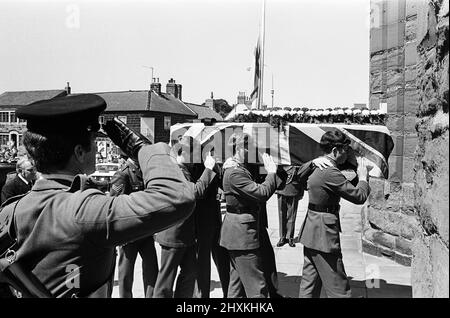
<point>68,89</point>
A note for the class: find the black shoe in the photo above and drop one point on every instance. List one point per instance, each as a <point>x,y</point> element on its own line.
<point>281,242</point>
<point>291,242</point>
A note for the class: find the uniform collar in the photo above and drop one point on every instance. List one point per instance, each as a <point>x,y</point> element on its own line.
<point>332,160</point>
<point>53,181</point>
<point>23,179</point>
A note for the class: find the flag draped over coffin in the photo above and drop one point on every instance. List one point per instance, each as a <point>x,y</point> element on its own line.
<point>293,144</point>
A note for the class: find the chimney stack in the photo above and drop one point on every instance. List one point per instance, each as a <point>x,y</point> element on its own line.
<point>155,86</point>
<point>171,87</point>
<point>241,99</point>
<point>178,91</point>
<point>210,102</point>
<point>68,89</point>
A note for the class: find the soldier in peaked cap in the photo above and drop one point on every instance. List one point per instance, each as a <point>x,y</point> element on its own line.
<point>67,232</point>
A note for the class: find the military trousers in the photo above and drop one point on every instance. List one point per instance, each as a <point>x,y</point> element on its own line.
<point>269,264</point>
<point>246,275</point>
<point>207,246</point>
<point>127,257</point>
<point>325,270</point>
<point>287,212</point>
<point>171,259</point>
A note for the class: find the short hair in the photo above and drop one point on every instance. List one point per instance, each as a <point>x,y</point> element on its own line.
<point>333,138</point>
<point>21,162</point>
<point>239,140</point>
<point>51,152</point>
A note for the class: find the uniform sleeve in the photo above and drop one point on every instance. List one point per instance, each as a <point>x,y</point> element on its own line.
<point>304,171</point>
<point>341,186</point>
<point>244,186</point>
<point>168,198</point>
<point>120,183</point>
<point>203,183</point>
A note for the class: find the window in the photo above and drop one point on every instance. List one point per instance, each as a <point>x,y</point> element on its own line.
<point>101,119</point>
<point>13,117</point>
<point>123,119</point>
<point>167,122</point>
<point>4,117</point>
<point>4,138</point>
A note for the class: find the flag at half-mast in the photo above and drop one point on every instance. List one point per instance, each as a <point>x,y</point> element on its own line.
<point>257,78</point>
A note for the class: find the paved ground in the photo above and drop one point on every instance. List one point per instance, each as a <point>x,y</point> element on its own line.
<point>372,277</point>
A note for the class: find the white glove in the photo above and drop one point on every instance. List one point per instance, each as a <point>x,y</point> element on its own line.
<point>210,162</point>
<point>362,171</point>
<point>269,164</point>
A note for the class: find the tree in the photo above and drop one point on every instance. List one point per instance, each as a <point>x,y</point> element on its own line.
<point>221,107</point>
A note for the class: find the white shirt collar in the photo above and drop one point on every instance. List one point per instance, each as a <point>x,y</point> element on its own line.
<point>23,179</point>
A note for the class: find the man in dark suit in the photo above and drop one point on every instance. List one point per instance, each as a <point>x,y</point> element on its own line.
<point>319,234</point>
<point>22,182</point>
<point>126,181</point>
<point>178,242</point>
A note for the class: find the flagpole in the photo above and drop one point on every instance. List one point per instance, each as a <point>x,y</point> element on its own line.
<point>261,79</point>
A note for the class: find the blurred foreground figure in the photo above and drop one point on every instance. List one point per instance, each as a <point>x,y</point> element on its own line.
<point>67,232</point>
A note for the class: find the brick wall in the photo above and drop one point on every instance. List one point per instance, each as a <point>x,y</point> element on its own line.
<point>161,134</point>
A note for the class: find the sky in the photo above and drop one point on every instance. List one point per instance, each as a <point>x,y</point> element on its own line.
<point>316,51</point>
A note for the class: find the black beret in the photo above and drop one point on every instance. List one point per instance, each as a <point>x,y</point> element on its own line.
<point>68,114</point>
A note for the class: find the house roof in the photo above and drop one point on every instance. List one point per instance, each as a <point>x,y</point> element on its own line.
<point>125,101</point>
<point>204,112</point>
<point>28,97</point>
<point>138,101</point>
<point>168,103</point>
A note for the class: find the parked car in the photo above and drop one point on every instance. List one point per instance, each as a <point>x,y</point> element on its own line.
<point>103,174</point>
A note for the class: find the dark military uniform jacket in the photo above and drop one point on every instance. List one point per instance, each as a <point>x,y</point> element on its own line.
<point>243,196</point>
<point>127,180</point>
<point>296,180</point>
<point>208,217</point>
<point>320,230</point>
<point>183,234</point>
<point>68,232</point>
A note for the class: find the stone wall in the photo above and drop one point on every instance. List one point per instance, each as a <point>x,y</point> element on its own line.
<point>430,264</point>
<point>389,220</point>
<point>407,216</point>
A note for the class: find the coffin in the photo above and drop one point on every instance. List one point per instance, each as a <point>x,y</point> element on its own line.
<point>292,144</point>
